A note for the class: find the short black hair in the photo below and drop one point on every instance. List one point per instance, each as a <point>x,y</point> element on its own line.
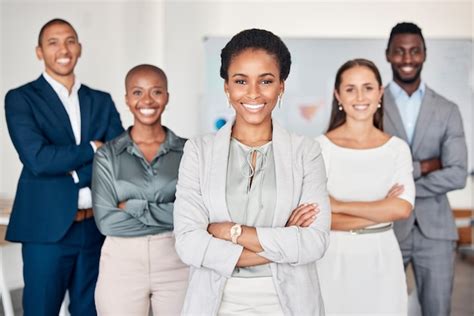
<point>145,67</point>
<point>406,28</point>
<point>54,22</point>
<point>256,39</point>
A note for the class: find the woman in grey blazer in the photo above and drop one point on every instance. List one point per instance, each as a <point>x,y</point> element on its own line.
<point>252,212</point>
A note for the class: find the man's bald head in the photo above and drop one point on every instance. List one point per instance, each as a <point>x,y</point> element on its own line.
<point>145,69</point>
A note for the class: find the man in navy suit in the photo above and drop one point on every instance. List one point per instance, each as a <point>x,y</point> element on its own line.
<point>56,124</point>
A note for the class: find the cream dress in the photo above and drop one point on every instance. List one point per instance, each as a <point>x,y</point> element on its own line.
<point>363,274</point>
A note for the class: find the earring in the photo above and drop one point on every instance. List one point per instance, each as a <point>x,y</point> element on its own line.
<point>279,100</point>
<point>340,107</point>
<point>379,105</point>
<point>228,100</point>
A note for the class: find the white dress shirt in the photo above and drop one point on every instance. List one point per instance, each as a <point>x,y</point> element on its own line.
<point>71,105</point>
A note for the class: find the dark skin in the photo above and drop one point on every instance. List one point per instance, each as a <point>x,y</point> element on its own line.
<point>146,96</point>
<point>255,79</point>
<point>406,54</point>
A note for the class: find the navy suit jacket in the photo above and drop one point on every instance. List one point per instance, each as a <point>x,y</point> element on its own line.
<point>46,198</point>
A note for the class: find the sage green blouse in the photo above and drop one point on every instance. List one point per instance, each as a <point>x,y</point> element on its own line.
<point>251,193</point>
<point>121,173</point>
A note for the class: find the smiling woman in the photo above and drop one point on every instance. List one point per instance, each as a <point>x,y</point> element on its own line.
<point>252,212</point>
<point>134,184</point>
<point>254,87</point>
<point>370,185</point>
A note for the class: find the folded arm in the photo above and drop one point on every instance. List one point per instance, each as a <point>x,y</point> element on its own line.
<point>453,162</point>
<point>386,210</point>
<point>349,222</point>
<point>301,245</point>
<point>302,216</point>
<point>397,204</point>
<point>112,220</point>
<point>194,244</point>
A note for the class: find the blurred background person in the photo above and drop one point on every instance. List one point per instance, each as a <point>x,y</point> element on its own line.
<point>56,123</point>
<point>370,185</point>
<point>133,187</point>
<point>433,127</point>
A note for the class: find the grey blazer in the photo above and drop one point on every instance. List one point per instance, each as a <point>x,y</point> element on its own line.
<point>438,133</point>
<point>200,200</point>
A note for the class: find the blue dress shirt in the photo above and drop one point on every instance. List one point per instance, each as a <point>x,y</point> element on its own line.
<point>408,106</point>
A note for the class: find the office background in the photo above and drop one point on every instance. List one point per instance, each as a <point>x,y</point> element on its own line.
<point>117,35</point>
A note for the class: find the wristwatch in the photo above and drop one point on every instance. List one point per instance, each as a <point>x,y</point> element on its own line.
<point>235,232</point>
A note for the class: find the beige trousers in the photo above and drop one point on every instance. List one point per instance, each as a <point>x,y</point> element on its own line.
<point>139,271</point>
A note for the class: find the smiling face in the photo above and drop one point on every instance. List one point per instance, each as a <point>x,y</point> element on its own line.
<point>406,54</point>
<point>60,50</point>
<point>146,96</point>
<point>253,86</point>
<point>359,94</point>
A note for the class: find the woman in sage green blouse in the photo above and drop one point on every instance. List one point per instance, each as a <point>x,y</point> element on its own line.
<point>246,219</point>
<point>133,191</point>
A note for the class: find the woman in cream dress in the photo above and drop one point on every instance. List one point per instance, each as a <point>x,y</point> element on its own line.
<point>371,185</point>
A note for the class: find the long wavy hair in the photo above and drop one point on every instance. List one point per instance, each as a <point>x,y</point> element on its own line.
<point>338,117</point>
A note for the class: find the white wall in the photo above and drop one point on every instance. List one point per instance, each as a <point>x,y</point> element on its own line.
<point>117,35</point>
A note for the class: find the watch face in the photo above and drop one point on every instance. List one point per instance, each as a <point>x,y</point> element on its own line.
<point>236,230</point>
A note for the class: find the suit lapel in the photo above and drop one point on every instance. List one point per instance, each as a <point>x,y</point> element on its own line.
<point>393,115</point>
<point>55,105</point>
<point>85,105</point>
<point>424,118</point>
<point>283,174</point>
<point>218,174</point>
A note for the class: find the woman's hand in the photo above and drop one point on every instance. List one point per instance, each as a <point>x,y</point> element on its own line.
<point>304,215</point>
<point>220,230</point>
<point>121,205</point>
<point>395,191</point>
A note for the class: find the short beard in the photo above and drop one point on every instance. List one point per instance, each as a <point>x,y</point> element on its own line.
<point>397,77</point>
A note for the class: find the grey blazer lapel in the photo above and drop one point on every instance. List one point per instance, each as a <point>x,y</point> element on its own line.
<point>393,115</point>
<point>424,118</point>
<point>218,174</point>
<point>283,174</point>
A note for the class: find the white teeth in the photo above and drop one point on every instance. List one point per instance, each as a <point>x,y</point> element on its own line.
<point>360,107</point>
<point>147,111</point>
<point>407,69</point>
<point>63,61</point>
<point>253,107</point>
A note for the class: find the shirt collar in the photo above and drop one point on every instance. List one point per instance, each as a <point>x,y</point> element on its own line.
<point>59,88</point>
<point>397,91</point>
<point>172,142</point>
